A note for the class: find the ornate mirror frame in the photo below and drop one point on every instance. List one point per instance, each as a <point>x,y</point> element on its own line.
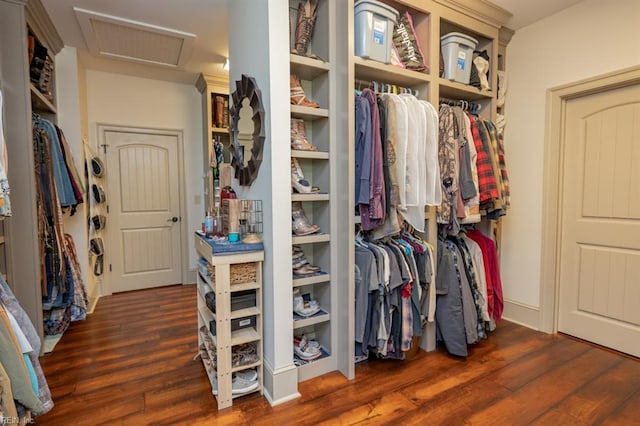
<point>247,88</point>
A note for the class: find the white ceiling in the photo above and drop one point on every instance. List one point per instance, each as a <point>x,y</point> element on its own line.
<point>207,19</point>
<point>526,12</point>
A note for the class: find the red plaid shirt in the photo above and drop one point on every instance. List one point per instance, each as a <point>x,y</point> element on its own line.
<point>486,179</point>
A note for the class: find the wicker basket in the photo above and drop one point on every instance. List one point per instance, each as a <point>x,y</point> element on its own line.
<point>240,273</point>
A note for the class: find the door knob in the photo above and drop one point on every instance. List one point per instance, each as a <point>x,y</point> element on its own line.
<point>173,219</point>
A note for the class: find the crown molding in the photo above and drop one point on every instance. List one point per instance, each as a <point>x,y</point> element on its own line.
<point>40,23</point>
<point>207,80</point>
<point>504,36</point>
<point>480,9</point>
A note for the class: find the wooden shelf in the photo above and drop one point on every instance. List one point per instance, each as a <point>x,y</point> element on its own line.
<point>314,279</point>
<point>320,317</point>
<point>242,313</point>
<point>244,286</point>
<point>244,335</point>
<point>246,367</point>
<point>222,130</point>
<point>308,113</point>
<point>307,68</point>
<point>313,155</point>
<point>308,239</point>
<point>238,395</point>
<point>369,70</point>
<point>39,103</point>
<point>310,197</point>
<point>455,90</point>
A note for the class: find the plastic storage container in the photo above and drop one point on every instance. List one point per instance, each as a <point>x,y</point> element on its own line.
<point>457,52</point>
<point>374,23</point>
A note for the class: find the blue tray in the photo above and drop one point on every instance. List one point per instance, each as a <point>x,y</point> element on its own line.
<point>221,247</point>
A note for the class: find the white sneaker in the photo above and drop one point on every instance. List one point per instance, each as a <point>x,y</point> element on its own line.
<point>250,375</point>
<point>302,308</point>
<point>238,385</point>
<point>306,351</point>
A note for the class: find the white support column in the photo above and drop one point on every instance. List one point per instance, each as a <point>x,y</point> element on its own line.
<point>70,121</point>
<point>259,47</point>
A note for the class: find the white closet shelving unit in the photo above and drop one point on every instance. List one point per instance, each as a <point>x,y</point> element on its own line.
<point>316,76</point>
<point>224,285</point>
<point>22,252</point>
<point>432,19</point>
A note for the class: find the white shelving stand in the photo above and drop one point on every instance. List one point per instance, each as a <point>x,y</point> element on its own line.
<point>224,286</point>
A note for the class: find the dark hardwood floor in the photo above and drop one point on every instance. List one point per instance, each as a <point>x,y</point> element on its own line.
<point>131,363</point>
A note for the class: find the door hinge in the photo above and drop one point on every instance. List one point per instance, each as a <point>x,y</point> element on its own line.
<point>110,268</point>
<point>107,208</point>
<point>104,147</point>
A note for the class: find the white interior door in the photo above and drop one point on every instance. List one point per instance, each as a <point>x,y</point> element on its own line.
<point>600,248</point>
<point>144,210</point>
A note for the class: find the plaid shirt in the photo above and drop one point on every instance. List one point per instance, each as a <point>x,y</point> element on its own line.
<point>486,178</point>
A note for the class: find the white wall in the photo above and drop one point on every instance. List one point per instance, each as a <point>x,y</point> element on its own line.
<point>591,38</point>
<point>117,99</point>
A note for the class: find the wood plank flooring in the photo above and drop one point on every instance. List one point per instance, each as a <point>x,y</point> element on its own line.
<point>131,363</point>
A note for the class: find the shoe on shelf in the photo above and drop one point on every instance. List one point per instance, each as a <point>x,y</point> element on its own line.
<point>299,140</point>
<point>298,182</point>
<point>313,343</point>
<point>299,261</point>
<point>306,270</point>
<point>244,354</point>
<point>302,307</point>
<point>297,95</point>
<point>305,21</point>
<point>238,385</point>
<point>250,375</point>
<point>305,351</point>
<point>301,225</point>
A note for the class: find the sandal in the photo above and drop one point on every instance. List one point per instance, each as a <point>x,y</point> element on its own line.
<point>297,95</point>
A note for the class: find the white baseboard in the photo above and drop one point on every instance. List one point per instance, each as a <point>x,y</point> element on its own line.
<point>281,385</point>
<point>521,313</point>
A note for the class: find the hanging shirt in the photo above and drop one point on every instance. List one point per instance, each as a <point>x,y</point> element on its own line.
<point>372,214</point>
<point>362,150</point>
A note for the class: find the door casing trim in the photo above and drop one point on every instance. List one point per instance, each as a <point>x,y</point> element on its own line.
<point>103,128</point>
<point>554,144</point>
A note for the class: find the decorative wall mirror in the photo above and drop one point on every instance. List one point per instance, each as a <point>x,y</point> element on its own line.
<point>247,130</point>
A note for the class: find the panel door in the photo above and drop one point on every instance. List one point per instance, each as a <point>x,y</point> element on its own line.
<point>144,210</point>
<point>600,243</point>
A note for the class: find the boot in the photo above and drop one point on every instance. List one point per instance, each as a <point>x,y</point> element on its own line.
<point>305,22</point>
<point>299,140</point>
<point>296,94</point>
<point>301,225</point>
<point>218,112</point>
<point>298,182</point>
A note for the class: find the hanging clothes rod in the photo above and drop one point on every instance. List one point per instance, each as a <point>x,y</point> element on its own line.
<point>382,87</point>
<point>472,107</point>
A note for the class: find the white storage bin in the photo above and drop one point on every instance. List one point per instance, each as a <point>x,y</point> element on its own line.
<point>457,52</point>
<point>374,23</point>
